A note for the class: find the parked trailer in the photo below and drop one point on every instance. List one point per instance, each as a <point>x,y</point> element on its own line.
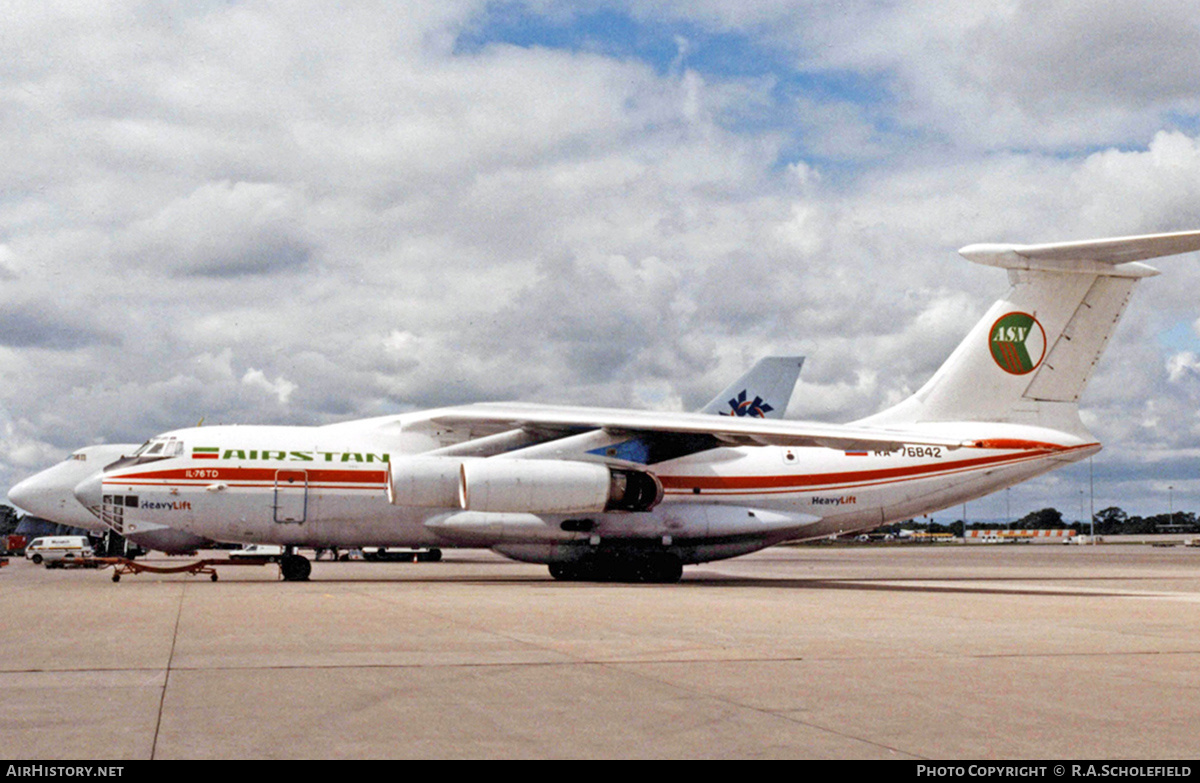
<point>14,544</point>
<point>122,565</point>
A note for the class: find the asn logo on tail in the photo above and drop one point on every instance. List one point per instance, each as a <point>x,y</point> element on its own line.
<point>1018,343</point>
<point>740,406</point>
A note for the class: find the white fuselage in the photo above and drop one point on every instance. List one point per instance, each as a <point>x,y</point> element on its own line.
<point>329,486</point>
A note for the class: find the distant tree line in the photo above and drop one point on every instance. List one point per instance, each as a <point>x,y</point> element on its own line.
<point>1112,521</point>
<point>12,521</point>
<point>8,520</point>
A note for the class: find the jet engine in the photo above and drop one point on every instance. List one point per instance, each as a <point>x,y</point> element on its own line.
<point>520,485</point>
<point>554,487</point>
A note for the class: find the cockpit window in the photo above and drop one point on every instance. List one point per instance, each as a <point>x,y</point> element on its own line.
<point>156,449</point>
<point>160,447</point>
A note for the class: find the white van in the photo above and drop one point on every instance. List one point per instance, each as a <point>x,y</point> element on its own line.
<point>51,549</point>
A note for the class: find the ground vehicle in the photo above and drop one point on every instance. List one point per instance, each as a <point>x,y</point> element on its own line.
<point>54,549</point>
<point>14,544</point>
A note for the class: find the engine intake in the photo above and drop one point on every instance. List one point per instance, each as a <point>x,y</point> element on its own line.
<point>429,482</point>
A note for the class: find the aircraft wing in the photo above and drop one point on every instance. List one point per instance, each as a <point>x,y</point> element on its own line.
<point>730,430</point>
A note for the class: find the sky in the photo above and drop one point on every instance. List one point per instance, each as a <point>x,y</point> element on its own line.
<point>308,212</point>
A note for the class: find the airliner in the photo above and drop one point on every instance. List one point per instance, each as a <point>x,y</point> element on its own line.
<point>50,495</point>
<point>763,391</point>
<point>632,495</point>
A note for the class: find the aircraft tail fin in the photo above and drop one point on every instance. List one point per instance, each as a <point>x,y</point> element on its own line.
<point>764,391</point>
<point>1030,357</point>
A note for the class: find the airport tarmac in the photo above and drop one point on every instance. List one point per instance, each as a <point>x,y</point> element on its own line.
<point>849,652</point>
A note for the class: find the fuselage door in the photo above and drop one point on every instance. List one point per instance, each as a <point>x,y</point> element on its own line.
<point>291,496</point>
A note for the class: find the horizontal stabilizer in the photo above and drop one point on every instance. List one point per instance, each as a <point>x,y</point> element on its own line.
<point>1096,256</point>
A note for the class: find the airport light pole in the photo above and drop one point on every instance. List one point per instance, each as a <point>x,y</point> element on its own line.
<point>1092,502</point>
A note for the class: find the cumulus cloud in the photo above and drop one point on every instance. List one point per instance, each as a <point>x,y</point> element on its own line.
<point>1062,74</point>
<point>280,388</point>
<point>1183,366</point>
<point>223,229</point>
<point>27,326</point>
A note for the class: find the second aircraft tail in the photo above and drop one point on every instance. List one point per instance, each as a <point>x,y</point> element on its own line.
<point>762,392</point>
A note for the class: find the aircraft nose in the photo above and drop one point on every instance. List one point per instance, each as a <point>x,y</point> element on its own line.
<point>90,491</point>
<point>29,496</point>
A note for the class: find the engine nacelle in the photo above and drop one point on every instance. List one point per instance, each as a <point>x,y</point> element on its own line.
<point>554,487</point>
<point>427,482</point>
<point>488,528</point>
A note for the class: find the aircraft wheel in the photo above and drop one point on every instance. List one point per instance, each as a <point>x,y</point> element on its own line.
<point>653,569</point>
<point>565,572</point>
<point>213,577</point>
<point>116,577</point>
<point>295,568</point>
<point>666,569</point>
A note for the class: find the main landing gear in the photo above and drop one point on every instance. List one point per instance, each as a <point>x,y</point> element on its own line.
<point>659,567</point>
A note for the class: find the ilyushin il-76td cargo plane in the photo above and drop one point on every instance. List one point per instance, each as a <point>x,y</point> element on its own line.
<point>636,495</point>
<point>763,391</point>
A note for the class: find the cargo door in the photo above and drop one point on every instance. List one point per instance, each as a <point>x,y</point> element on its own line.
<point>291,496</point>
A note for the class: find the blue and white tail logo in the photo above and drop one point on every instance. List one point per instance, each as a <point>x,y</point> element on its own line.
<point>740,406</point>
<point>774,378</point>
